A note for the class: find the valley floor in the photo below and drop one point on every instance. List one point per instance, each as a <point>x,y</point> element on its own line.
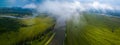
<point>93,29</point>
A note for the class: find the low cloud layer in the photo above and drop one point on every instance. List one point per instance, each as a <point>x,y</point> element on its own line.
<point>65,9</point>
<point>59,8</point>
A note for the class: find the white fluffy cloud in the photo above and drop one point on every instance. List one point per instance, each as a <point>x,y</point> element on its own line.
<point>32,5</point>
<point>67,8</point>
<point>98,5</point>
<point>61,9</point>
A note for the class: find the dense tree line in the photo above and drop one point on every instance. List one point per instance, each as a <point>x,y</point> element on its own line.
<point>9,24</point>
<point>19,12</point>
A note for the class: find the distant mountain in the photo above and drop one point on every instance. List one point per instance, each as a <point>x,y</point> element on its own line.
<point>16,11</point>
<point>105,11</point>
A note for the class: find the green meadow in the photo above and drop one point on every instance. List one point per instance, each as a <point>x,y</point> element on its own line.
<point>28,31</point>
<point>93,29</point>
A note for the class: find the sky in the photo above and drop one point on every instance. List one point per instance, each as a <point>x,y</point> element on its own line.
<point>17,3</point>
<point>21,3</point>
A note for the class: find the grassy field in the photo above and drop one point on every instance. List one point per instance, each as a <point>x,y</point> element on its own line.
<point>25,31</point>
<point>93,29</point>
